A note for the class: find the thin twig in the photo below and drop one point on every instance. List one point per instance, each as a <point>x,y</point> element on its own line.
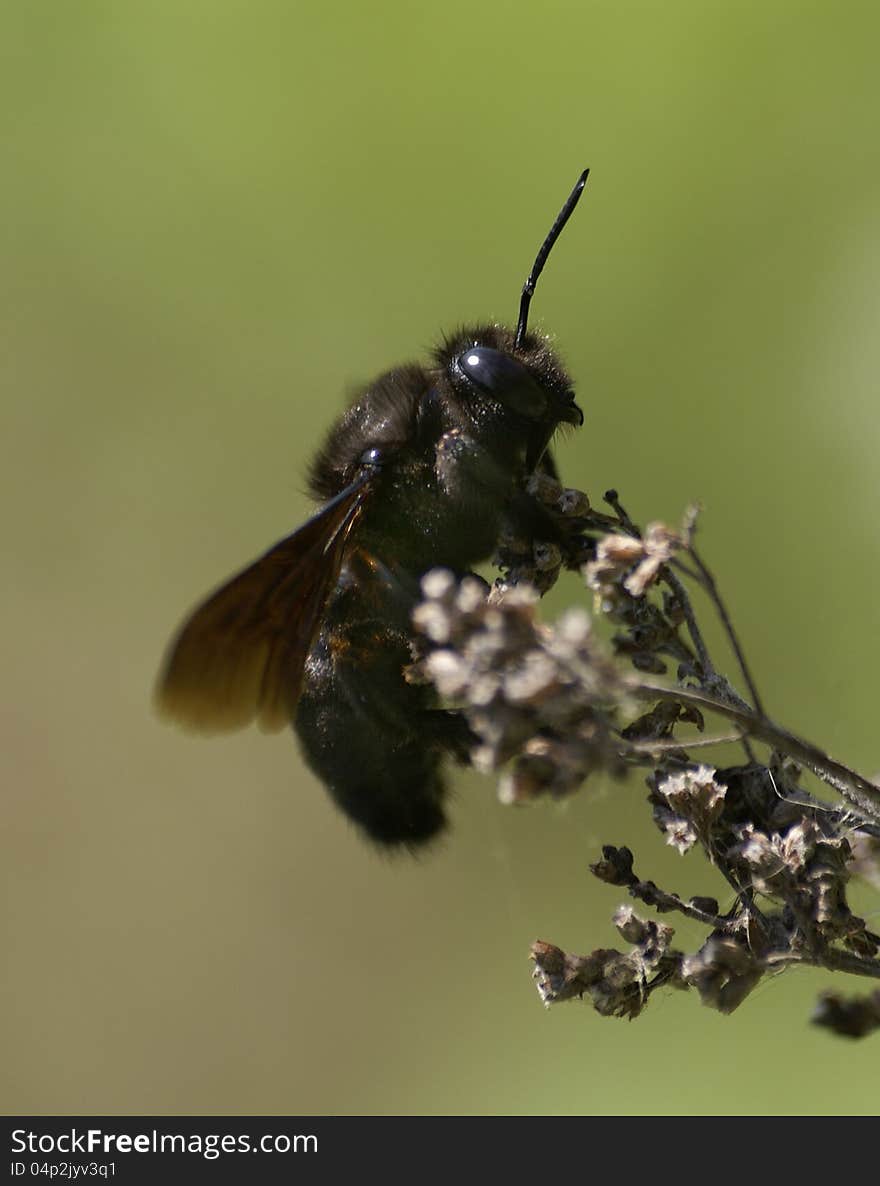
<point>708,582</point>
<point>687,609</point>
<point>832,958</point>
<point>862,794</point>
<point>702,650</point>
<point>662,743</point>
<point>680,566</point>
<point>610,496</point>
<point>652,895</point>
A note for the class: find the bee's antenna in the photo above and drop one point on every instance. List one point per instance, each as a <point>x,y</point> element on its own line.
<point>546,247</point>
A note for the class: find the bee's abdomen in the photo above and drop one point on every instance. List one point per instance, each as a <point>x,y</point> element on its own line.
<point>366,732</point>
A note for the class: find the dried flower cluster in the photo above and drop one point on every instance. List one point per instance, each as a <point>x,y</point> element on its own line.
<point>545,699</point>
<point>550,707</point>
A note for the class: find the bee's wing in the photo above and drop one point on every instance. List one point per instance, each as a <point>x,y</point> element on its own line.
<point>239,657</point>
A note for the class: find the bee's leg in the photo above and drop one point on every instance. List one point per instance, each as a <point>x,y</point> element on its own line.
<point>547,465</point>
<point>525,516</point>
<point>449,729</point>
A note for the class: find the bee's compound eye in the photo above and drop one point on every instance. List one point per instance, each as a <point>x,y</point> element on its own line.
<point>503,378</point>
<point>371,456</point>
<point>488,369</point>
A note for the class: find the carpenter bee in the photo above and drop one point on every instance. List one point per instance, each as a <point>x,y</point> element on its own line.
<point>425,468</point>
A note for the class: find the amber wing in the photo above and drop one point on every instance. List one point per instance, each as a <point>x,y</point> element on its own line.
<point>240,655</point>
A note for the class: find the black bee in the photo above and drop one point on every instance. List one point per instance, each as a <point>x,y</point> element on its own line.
<point>424,469</point>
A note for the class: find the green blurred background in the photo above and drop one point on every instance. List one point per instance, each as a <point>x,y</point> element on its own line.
<point>216,218</point>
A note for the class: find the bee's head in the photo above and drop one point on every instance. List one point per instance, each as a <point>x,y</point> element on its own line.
<point>513,379</point>
<point>520,388</point>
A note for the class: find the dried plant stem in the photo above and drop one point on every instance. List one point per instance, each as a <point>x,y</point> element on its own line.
<point>861,794</point>
<point>552,706</point>
<point>708,667</point>
<point>696,634</point>
<point>832,958</point>
<point>708,582</point>
<point>658,746</point>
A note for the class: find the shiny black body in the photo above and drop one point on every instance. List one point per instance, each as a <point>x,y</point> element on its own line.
<point>423,470</point>
<point>451,460</point>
